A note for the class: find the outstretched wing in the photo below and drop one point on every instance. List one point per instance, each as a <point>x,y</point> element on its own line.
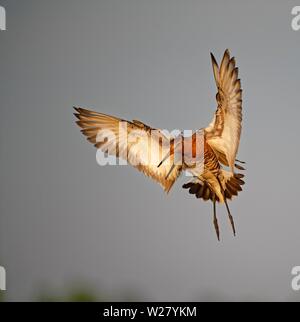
<point>223,134</point>
<point>134,142</point>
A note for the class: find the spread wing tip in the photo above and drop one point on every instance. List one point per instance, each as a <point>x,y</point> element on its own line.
<point>213,58</point>
<point>78,110</point>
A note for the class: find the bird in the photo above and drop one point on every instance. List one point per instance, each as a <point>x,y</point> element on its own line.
<point>208,155</point>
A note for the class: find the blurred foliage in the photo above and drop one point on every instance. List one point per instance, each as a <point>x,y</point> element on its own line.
<point>80,295</point>
<point>83,293</point>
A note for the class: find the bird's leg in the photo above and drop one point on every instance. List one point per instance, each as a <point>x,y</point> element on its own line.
<point>230,218</point>
<point>228,211</point>
<point>215,219</point>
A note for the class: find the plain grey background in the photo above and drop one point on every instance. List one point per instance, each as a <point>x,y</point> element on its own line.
<point>65,219</point>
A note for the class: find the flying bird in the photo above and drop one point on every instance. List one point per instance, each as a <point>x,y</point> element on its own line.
<point>209,154</point>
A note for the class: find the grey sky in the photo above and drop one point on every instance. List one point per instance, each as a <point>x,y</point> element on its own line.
<point>64,218</point>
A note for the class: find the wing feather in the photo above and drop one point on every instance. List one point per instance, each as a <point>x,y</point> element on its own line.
<point>223,134</point>
<point>140,145</point>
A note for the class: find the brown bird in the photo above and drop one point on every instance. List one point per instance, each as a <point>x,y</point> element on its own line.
<point>205,154</point>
